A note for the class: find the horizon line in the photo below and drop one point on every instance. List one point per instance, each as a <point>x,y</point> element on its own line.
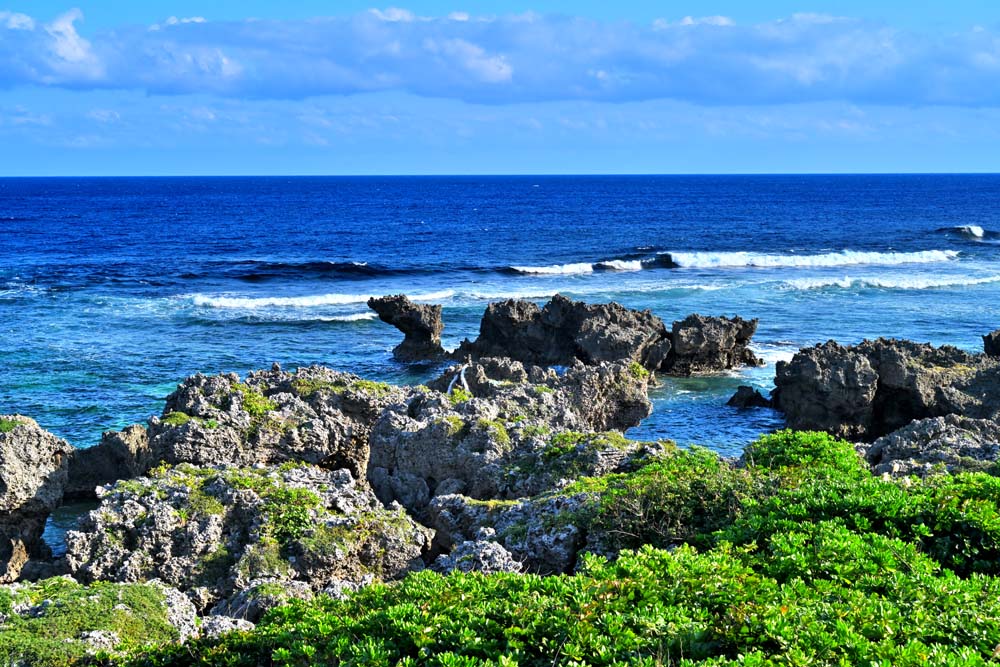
<point>509,175</point>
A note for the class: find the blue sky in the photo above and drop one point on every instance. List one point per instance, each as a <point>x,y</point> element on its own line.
<point>346,87</point>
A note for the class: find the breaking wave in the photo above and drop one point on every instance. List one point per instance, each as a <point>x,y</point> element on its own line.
<point>712,260</point>
<point>887,282</point>
<point>315,301</point>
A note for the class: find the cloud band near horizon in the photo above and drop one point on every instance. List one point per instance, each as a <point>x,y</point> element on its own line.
<point>512,59</point>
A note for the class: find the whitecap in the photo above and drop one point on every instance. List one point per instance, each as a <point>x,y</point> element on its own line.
<point>711,260</point>
<point>891,282</point>
<point>556,269</point>
<point>313,301</point>
<point>621,265</point>
<point>353,317</point>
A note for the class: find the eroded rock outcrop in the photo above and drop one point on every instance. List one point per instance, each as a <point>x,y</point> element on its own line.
<point>871,389</point>
<point>421,326</point>
<point>942,444</point>
<point>507,438</point>
<point>33,473</point>
<point>221,533</point>
<point>564,331</point>
<point>120,455</point>
<point>991,343</point>
<point>540,533</point>
<point>315,415</point>
<point>706,344</point>
<point>748,397</point>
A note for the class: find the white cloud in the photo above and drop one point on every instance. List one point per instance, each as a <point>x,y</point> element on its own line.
<point>16,21</point>
<point>395,15</point>
<point>104,115</point>
<point>66,43</point>
<point>521,58</point>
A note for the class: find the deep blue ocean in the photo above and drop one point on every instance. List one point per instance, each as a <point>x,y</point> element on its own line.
<point>113,290</point>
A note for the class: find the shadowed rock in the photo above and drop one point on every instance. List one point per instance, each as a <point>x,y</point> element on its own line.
<point>33,465</point>
<point>991,343</point>
<point>564,331</point>
<point>868,390</point>
<point>121,455</point>
<point>942,444</point>
<point>421,326</point>
<point>706,344</point>
<point>748,397</point>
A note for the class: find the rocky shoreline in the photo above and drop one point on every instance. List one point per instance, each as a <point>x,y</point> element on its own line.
<point>248,492</point>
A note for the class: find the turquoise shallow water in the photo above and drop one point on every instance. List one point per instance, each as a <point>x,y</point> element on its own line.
<point>112,290</point>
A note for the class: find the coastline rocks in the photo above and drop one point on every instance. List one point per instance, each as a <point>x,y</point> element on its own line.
<point>81,620</point>
<point>941,444</point>
<point>748,397</point>
<point>478,556</point>
<point>706,344</point>
<point>216,531</point>
<point>828,388</point>
<point>120,455</point>
<point>506,439</point>
<point>991,343</point>
<point>593,398</point>
<point>564,331</point>
<point>542,533</point>
<point>871,389</point>
<point>214,627</point>
<point>33,473</point>
<point>421,326</point>
<point>315,415</point>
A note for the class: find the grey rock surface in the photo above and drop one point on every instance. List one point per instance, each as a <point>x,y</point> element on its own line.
<point>505,439</point>
<point>421,326</point>
<point>710,344</point>
<point>477,556</point>
<point>941,444</point>
<point>33,474</point>
<point>214,531</point>
<point>315,415</point>
<point>871,389</point>
<point>120,455</point>
<point>213,627</point>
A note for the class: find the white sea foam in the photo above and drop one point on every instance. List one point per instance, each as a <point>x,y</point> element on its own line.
<point>891,282</point>
<point>772,354</point>
<point>353,317</point>
<point>972,230</point>
<point>556,269</point>
<point>711,260</point>
<point>621,265</point>
<point>315,301</point>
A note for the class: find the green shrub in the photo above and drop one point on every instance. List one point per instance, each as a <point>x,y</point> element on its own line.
<point>638,371</point>
<point>176,419</point>
<point>254,402</point>
<point>805,449</point>
<point>459,395</point>
<point>682,497</point>
<point>49,637</point>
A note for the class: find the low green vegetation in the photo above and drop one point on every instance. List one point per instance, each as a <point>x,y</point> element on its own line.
<point>496,430</point>
<point>799,556</point>
<point>177,419</point>
<point>254,402</point>
<point>55,613</point>
<point>459,395</point>
<point>8,425</point>
<point>308,387</point>
<point>638,371</point>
